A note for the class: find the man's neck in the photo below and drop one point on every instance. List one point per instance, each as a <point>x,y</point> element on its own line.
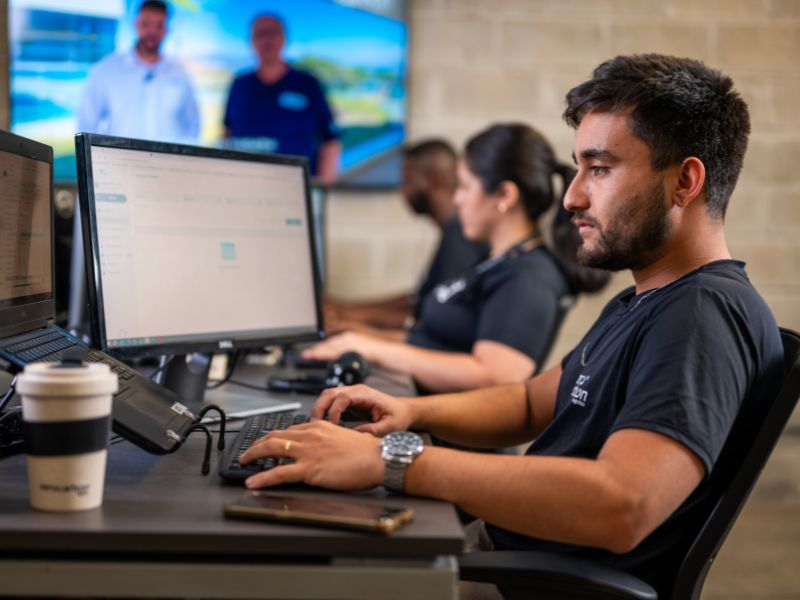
<point>270,72</point>
<point>150,58</point>
<point>683,257</point>
<point>442,210</point>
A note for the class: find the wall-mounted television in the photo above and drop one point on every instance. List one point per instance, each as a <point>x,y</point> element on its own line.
<point>356,48</point>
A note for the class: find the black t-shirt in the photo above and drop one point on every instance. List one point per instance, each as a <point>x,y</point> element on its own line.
<point>517,302</point>
<point>678,360</point>
<point>454,255</point>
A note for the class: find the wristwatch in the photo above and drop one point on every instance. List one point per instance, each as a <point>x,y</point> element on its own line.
<point>398,450</point>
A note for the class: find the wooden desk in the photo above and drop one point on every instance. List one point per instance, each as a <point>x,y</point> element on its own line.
<point>161,533</point>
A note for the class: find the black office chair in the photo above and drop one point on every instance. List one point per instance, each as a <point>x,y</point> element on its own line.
<point>542,576</point>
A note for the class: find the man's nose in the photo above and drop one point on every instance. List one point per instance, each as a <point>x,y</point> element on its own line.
<point>575,198</point>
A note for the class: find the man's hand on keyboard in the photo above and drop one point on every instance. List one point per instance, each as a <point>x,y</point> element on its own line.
<point>387,413</point>
<point>324,455</point>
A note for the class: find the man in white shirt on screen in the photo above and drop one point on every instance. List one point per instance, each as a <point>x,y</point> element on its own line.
<point>141,93</point>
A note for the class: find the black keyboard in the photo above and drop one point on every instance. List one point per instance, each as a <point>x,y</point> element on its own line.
<point>255,427</point>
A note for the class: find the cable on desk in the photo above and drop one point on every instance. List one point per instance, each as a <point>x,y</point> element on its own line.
<point>8,394</point>
<point>152,375</point>
<point>206,468</point>
<point>249,385</point>
<point>228,373</point>
<point>222,420</point>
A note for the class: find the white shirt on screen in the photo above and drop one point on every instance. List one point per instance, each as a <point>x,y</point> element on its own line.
<point>127,97</point>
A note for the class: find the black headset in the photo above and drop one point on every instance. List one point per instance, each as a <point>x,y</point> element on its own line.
<point>349,369</point>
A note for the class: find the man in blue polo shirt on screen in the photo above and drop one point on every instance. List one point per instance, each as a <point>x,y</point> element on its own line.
<point>277,108</point>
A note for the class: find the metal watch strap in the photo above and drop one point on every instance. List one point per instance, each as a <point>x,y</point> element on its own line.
<point>394,478</point>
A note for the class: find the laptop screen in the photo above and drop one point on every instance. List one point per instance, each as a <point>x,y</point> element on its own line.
<point>25,239</point>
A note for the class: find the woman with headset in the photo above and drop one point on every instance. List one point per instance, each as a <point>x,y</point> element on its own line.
<point>496,322</point>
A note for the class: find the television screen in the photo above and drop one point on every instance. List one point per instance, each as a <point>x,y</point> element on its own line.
<point>358,54</point>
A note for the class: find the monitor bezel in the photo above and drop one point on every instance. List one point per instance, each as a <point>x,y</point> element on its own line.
<point>28,313</point>
<point>83,145</point>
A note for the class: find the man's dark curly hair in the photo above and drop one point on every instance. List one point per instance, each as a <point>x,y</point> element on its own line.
<point>680,108</point>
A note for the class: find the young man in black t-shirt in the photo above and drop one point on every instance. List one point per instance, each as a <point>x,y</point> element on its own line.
<point>628,427</point>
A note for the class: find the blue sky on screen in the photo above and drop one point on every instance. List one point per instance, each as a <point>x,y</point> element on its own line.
<point>210,29</point>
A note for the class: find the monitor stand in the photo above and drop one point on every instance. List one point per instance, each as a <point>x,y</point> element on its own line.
<point>187,376</point>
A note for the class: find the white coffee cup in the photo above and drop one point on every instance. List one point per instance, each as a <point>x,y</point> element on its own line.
<point>66,413</point>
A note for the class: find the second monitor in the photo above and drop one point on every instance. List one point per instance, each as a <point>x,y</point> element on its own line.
<point>196,250</point>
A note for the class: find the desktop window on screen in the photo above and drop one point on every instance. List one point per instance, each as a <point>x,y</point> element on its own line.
<point>201,248</point>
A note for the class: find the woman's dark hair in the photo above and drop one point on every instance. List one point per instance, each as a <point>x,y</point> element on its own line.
<point>517,153</point>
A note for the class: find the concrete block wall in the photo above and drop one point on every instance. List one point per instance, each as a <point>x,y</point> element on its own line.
<point>474,62</point>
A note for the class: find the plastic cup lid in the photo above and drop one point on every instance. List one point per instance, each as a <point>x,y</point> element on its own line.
<point>52,379</point>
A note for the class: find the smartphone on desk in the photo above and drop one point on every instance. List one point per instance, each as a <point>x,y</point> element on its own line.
<point>322,512</point>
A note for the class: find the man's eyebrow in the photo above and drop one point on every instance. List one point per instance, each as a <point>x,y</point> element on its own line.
<point>596,153</point>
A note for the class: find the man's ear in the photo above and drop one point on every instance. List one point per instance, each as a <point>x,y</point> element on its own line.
<point>690,182</point>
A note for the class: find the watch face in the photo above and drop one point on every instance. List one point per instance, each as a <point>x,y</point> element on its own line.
<point>402,443</point>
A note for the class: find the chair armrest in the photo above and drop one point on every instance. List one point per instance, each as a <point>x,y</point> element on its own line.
<point>559,575</point>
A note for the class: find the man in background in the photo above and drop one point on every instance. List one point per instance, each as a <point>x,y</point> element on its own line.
<point>141,93</point>
<point>429,183</point>
<point>281,107</point>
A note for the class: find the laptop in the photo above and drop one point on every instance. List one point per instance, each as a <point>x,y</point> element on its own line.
<point>143,412</point>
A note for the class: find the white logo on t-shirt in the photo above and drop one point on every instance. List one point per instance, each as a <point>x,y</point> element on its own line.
<point>579,395</point>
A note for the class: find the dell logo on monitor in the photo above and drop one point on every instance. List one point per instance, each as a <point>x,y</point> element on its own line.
<point>225,345</point>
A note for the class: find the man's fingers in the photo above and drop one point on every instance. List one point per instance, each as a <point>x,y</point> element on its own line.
<point>337,407</point>
<point>278,444</point>
<point>321,406</point>
<point>276,476</point>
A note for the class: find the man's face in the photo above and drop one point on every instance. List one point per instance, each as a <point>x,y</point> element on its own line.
<point>151,27</point>
<point>619,202</point>
<point>268,39</point>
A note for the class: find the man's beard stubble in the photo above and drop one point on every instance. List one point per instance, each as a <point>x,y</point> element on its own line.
<point>626,243</point>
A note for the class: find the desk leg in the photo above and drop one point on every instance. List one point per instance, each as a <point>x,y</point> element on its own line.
<point>356,579</point>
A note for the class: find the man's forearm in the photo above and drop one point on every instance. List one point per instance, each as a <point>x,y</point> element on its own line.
<point>328,161</point>
<point>490,418</point>
<point>567,500</point>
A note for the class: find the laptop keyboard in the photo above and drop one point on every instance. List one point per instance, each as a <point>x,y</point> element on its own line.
<point>254,428</point>
<point>42,347</point>
<point>50,347</point>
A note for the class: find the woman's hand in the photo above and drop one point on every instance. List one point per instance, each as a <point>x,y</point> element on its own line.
<point>366,345</point>
<point>386,412</point>
<point>324,455</point>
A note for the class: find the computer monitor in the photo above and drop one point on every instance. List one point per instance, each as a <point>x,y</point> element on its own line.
<point>196,250</point>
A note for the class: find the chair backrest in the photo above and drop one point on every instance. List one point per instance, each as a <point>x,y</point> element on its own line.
<point>765,426</point>
<point>564,306</point>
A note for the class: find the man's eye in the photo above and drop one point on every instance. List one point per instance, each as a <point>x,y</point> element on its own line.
<point>598,170</point>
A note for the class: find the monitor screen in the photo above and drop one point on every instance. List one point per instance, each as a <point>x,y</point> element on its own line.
<point>358,54</point>
<point>197,249</point>
<point>25,237</point>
